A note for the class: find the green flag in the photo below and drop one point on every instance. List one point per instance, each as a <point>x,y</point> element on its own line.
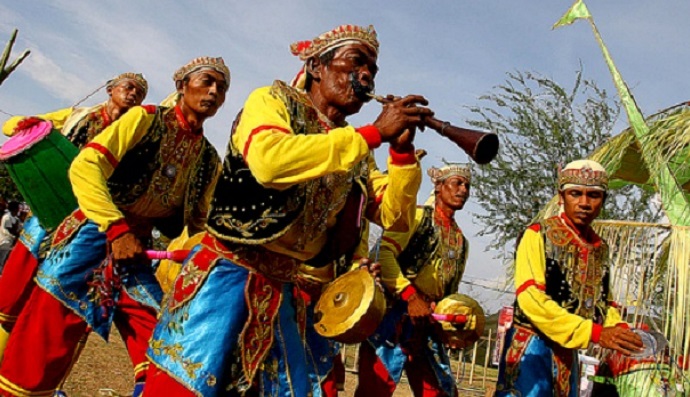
<point>674,201</point>
<point>577,11</point>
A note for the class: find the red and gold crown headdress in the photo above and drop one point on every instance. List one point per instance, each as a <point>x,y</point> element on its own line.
<point>337,37</point>
<point>587,173</point>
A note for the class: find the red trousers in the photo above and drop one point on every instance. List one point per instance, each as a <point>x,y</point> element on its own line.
<point>374,379</point>
<point>16,284</point>
<point>335,380</point>
<point>46,336</point>
<point>160,384</point>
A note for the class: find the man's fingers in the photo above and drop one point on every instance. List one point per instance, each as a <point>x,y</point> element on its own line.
<point>630,345</point>
<point>630,338</point>
<point>625,351</point>
<point>414,99</point>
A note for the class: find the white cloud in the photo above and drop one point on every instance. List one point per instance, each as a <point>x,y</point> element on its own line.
<point>447,50</point>
<point>51,76</point>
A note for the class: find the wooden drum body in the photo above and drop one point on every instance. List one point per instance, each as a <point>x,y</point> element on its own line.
<point>350,308</point>
<point>37,160</point>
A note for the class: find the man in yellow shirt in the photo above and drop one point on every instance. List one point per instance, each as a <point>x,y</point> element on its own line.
<point>153,167</point>
<point>563,302</point>
<point>295,188</point>
<point>79,125</point>
<point>418,268</point>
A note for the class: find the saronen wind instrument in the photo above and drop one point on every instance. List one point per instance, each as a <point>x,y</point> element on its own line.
<point>481,146</point>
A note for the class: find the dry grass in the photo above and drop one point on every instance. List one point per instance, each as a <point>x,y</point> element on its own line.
<point>101,366</point>
<point>106,366</point>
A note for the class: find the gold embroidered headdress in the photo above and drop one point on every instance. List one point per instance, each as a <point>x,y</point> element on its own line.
<point>342,35</point>
<point>583,173</point>
<point>203,63</point>
<point>137,78</point>
<point>438,175</point>
<point>338,37</point>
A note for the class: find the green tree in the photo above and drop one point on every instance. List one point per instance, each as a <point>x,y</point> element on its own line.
<point>542,126</point>
<point>8,190</point>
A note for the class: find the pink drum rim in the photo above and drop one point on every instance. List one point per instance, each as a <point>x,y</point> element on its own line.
<point>25,139</point>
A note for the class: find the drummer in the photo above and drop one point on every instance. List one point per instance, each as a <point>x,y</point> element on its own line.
<point>152,167</point>
<point>306,185</point>
<point>419,267</point>
<point>328,372</point>
<point>79,125</point>
<point>563,302</point>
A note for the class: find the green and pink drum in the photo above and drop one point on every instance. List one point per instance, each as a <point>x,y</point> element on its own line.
<point>37,159</point>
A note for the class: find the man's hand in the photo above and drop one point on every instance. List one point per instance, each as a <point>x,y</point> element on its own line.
<point>399,118</point>
<point>418,309</point>
<point>373,267</point>
<point>127,248</point>
<point>620,339</point>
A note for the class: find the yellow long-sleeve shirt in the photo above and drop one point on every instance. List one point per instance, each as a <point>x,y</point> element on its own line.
<point>557,323</point>
<point>63,120</point>
<point>433,278</point>
<point>279,158</point>
<point>165,194</point>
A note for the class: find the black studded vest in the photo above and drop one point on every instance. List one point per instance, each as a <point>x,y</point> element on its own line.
<point>245,212</point>
<point>87,128</point>
<point>580,285</point>
<point>424,245</point>
<point>133,175</point>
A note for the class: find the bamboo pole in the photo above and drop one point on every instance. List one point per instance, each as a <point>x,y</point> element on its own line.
<point>486,358</point>
<point>474,360</point>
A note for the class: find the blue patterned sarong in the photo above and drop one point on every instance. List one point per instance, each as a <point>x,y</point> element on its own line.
<point>32,235</point>
<point>531,366</point>
<point>197,338</point>
<point>389,348</point>
<point>69,267</point>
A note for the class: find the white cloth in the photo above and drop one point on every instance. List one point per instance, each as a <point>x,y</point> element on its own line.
<point>9,227</point>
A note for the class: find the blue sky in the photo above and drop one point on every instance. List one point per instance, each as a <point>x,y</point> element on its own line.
<point>451,51</point>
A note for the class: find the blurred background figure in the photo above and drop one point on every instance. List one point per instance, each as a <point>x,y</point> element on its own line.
<point>10,225</point>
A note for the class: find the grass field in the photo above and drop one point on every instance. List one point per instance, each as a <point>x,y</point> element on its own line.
<point>104,369</point>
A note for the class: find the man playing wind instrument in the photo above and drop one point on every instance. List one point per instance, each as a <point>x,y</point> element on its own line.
<point>296,186</point>
<point>563,302</point>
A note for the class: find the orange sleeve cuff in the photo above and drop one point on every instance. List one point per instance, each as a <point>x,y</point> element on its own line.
<point>117,229</point>
<point>408,292</point>
<point>405,158</point>
<point>596,332</point>
<point>371,135</point>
